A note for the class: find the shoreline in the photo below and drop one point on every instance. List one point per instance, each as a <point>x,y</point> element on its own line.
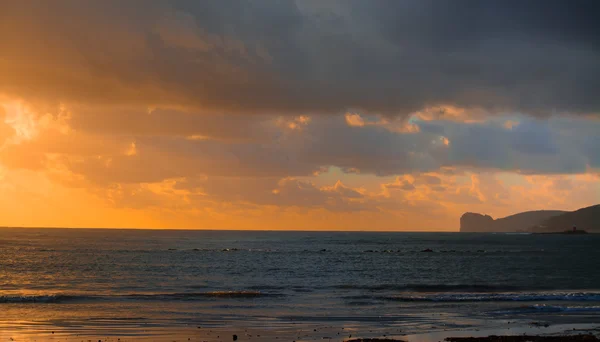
<point>38,331</point>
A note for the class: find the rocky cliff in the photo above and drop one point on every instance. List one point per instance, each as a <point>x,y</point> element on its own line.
<point>522,222</point>
<point>473,222</point>
<point>587,219</point>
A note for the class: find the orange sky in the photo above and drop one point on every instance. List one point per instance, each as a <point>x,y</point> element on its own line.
<point>42,184</point>
<point>157,116</point>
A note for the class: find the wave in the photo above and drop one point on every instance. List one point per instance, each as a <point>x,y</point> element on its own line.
<point>555,308</point>
<point>226,249</point>
<point>186,296</point>
<point>196,295</point>
<point>397,252</point>
<point>487,297</point>
<point>428,287</point>
<point>455,251</point>
<point>266,287</point>
<point>549,309</point>
<point>40,298</point>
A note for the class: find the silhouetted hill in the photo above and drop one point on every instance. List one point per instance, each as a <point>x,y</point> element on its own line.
<point>521,222</point>
<point>587,219</point>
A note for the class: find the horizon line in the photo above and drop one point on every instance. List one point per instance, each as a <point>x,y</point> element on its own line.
<point>237,230</point>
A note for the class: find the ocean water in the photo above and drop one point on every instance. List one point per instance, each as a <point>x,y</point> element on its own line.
<point>146,278</point>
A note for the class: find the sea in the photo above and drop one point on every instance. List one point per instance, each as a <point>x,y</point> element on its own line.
<point>127,280</point>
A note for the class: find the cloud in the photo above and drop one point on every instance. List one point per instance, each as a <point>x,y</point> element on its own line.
<point>531,147</point>
<point>429,179</point>
<point>6,131</point>
<point>535,138</point>
<point>138,121</point>
<point>276,147</point>
<point>282,193</point>
<point>390,57</point>
<point>401,184</point>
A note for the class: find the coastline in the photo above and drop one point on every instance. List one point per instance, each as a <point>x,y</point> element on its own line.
<point>63,331</point>
<point>134,286</point>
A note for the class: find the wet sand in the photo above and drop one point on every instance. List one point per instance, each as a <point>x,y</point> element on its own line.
<point>305,333</point>
<point>526,338</point>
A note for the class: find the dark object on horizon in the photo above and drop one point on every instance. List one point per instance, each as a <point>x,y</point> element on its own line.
<point>587,219</point>
<point>567,232</point>
<point>521,222</point>
<point>542,221</point>
<point>574,231</point>
<point>428,250</point>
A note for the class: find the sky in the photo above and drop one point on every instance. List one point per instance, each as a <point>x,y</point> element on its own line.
<point>305,115</point>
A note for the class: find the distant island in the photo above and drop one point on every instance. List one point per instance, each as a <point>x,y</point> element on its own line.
<point>522,222</point>
<point>586,220</point>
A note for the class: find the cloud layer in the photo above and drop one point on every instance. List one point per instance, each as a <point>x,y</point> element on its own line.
<point>306,57</point>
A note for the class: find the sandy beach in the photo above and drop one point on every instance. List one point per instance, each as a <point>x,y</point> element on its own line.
<point>28,331</point>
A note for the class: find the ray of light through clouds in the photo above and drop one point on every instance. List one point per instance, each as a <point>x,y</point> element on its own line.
<point>326,115</point>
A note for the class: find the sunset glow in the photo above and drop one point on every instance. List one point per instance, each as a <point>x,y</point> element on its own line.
<point>156,118</point>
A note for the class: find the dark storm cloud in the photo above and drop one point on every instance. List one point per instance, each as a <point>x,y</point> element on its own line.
<point>391,57</point>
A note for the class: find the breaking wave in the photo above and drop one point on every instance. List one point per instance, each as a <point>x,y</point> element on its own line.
<point>487,297</point>
<point>62,298</point>
<point>549,308</point>
<point>428,287</point>
<point>40,298</point>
